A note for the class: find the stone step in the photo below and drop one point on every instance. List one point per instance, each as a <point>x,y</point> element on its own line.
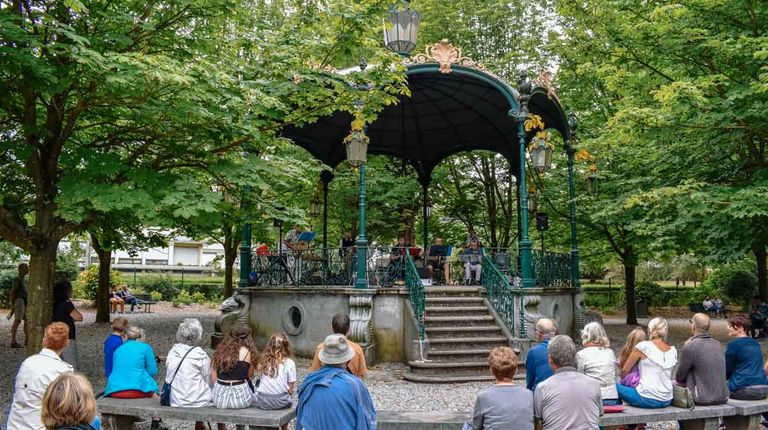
<point>453,291</point>
<point>465,343</point>
<point>462,331</point>
<point>454,301</point>
<point>450,369</point>
<point>456,310</point>
<point>446,379</point>
<point>460,354</point>
<point>459,321</point>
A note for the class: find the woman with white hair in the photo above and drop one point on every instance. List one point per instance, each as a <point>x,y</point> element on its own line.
<point>598,361</point>
<point>188,369</point>
<point>655,359</point>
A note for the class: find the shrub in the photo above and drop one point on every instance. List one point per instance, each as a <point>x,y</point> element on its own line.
<point>155,296</point>
<point>87,282</point>
<point>198,297</point>
<point>733,282</point>
<point>66,266</point>
<point>6,283</point>
<point>652,293</point>
<point>162,284</point>
<point>184,297</point>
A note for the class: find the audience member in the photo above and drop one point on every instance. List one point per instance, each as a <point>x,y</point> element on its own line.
<point>655,359</point>
<point>473,263</point>
<point>19,293</point>
<point>537,364</point>
<point>277,371</point>
<point>129,298</point>
<point>471,237</point>
<point>333,398</point>
<point>701,367</point>
<point>69,404</point>
<point>598,361</point>
<point>568,399</point>
<point>188,369</point>
<point>234,363</point>
<point>340,325</point>
<point>137,366</point>
<point>64,311</point>
<point>632,378</point>
<point>744,366</point>
<point>397,256</point>
<point>113,341</point>
<point>757,316</point>
<point>116,300</point>
<point>504,405</point>
<point>35,374</point>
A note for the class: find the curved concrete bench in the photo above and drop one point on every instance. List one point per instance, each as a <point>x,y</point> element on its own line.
<point>120,414</point>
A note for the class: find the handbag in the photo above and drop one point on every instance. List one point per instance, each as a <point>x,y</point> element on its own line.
<point>165,394</point>
<point>631,379</point>
<point>682,397</point>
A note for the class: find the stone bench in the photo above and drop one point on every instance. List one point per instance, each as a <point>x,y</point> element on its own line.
<point>120,414</point>
<point>738,415</point>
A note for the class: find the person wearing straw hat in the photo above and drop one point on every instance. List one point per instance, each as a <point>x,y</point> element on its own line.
<point>333,398</point>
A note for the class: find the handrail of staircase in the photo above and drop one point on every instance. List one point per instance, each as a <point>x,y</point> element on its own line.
<point>416,294</point>
<point>502,296</point>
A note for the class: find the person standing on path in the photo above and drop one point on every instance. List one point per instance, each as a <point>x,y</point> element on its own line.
<point>537,368</point>
<point>19,293</point>
<point>64,311</point>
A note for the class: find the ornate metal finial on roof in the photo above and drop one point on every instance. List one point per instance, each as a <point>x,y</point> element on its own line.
<point>524,87</point>
<point>447,55</point>
<point>544,80</point>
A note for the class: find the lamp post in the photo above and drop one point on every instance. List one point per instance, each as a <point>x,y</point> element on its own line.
<point>570,150</point>
<point>524,87</point>
<point>401,30</point>
<point>357,148</point>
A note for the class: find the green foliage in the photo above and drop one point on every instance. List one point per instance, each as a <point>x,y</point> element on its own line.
<point>162,284</point>
<point>6,283</point>
<point>732,282</point>
<point>652,293</point>
<point>155,296</point>
<point>87,283</point>
<point>66,266</point>
<point>184,297</point>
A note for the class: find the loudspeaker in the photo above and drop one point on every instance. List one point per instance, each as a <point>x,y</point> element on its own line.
<point>542,221</point>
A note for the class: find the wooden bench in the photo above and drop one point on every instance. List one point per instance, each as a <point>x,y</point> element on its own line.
<point>120,414</point>
<point>145,299</point>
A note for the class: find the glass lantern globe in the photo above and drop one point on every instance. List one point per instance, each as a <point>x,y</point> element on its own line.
<point>541,154</point>
<point>401,30</point>
<point>356,144</point>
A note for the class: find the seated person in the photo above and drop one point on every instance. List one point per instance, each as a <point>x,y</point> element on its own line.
<point>719,307</point>
<point>504,405</point>
<point>397,258</point>
<point>471,236</point>
<point>757,316</point>
<point>116,300</point>
<point>129,298</point>
<point>291,240</point>
<point>473,263</point>
<point>744,362</point>
<point>346,244</point>
<point>708,305</point>
<point>438,254</point>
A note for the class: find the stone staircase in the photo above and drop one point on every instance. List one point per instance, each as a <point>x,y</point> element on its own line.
<point>461,331</point>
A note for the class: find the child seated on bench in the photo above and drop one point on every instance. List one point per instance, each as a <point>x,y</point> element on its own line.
<point>277,370</point>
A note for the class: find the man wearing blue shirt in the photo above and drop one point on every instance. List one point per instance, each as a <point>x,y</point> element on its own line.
<point>333,398</point>
<point>537,367</point>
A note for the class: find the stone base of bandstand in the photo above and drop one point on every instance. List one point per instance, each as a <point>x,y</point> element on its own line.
<point>381,318</point>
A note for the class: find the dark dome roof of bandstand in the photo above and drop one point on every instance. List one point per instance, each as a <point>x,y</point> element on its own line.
<point>447,113</point>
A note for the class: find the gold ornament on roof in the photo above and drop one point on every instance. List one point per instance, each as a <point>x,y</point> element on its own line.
<point>544,80</point>
<point>447,55</point>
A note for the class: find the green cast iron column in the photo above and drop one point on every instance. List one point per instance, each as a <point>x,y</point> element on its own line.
<point>362,241</point>
<point>525,245</point>
<point>575,276</point>
<point>245,256</point>
<point>424,191</point>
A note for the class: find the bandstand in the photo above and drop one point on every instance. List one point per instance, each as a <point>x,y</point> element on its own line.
<point>455,105</point>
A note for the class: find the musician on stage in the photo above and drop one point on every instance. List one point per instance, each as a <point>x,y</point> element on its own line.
<point>436,259</point>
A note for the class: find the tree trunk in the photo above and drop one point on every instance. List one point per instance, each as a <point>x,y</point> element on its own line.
<point>630,264</point>
<point>760,255</point>
<point>230,253</point>
<point>102,292</point>
<point>42,267</point>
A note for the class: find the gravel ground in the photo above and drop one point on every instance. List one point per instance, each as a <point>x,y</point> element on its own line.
<point>388,389</point>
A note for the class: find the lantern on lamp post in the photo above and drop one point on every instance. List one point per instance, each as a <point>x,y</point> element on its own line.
<point>540,151</point>
<point>532,201</point>
<point>356,144</point>
<point>315,206</point>
<point>401,30</point>
<point>357,150</point>
<point>591,180</point>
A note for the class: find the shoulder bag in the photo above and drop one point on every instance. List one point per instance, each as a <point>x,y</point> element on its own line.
<point>165,394</point>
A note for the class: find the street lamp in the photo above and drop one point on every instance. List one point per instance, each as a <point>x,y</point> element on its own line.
<point>357,150</point>
<point>541,153</point>
<point>356,144</point>
<point>532,203</point>
<point>315,207</point>
<point>401,30</point>
<point>429,210</point>
<point>591,181</point>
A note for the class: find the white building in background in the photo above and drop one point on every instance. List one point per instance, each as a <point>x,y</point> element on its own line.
<point>182,254</point>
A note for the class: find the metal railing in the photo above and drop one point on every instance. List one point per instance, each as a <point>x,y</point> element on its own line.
<point>551,269</point>
<point>506,299</point>
<point>416,295</point>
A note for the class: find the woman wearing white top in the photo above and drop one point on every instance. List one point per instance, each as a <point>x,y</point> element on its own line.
<point>656,359</point>
<point>190,388</point>
<point>598,361</point>
<point>278,375</point>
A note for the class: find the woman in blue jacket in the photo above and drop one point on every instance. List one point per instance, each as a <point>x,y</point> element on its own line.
<point>134,368</point>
